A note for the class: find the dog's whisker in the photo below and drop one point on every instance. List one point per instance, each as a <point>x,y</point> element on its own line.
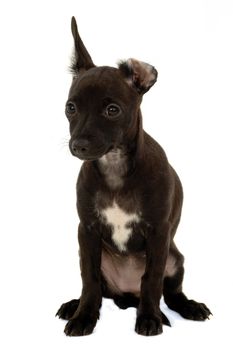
<point>64,144</point>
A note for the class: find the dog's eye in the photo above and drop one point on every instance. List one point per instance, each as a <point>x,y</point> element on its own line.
<point>113,110</point>
<point>70,108</point>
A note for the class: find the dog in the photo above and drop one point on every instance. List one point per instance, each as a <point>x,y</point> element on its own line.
<point>129,200</point>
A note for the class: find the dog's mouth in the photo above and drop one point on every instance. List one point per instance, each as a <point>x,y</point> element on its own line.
<point>94,156</point>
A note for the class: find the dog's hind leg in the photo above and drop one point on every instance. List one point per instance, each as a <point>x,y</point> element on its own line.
<point>177,300</point>
<point>68,309</point>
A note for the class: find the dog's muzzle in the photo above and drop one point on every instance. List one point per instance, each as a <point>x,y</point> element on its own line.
<point>87,150</point>
<point>80,148</point>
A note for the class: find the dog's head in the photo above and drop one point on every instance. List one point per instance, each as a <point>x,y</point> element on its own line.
<point>103,106</point>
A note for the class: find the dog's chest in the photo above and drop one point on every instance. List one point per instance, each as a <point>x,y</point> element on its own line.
<point>120,222</point>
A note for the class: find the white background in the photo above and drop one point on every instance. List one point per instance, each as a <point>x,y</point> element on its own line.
<point>188,111</point>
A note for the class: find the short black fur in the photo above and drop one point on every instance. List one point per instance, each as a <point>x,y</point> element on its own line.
<point>129,201</point>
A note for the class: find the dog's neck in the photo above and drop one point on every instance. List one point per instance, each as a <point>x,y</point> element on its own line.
<point>114,166</point>
<point>121,161</point>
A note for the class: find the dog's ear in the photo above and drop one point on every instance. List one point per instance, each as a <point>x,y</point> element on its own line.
<point>81,59</point>
<point>139,75</point>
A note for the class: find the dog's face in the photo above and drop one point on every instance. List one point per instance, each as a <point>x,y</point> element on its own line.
<point>104,102</point>
<point>101,109</point>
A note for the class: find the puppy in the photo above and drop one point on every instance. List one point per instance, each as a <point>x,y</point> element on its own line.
<point>129,200</point>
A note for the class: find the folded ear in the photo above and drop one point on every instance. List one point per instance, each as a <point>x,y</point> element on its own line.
<point>139,75</point>
<point>81,59</point>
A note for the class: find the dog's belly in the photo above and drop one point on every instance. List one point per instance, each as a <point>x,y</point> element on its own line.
<point>123,273</point>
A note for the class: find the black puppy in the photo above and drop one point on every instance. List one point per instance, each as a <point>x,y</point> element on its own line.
<point>129,200</point>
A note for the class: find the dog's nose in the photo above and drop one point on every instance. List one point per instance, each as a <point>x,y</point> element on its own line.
<point>80,147</point>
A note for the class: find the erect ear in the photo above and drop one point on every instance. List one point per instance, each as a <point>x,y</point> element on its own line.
<point>81,59</point>
<point>139,75</point>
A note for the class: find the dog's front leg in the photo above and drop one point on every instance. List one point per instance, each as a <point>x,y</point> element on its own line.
<point>84,319</point>
<point>149,317</point>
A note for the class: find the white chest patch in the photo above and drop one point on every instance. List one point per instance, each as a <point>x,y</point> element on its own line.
<point>119,220</point>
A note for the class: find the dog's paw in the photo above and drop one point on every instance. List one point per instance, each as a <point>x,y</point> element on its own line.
<point>81,325</point>
<point>193,310</point>
<point>67,310</point>
<point>149,325</point>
